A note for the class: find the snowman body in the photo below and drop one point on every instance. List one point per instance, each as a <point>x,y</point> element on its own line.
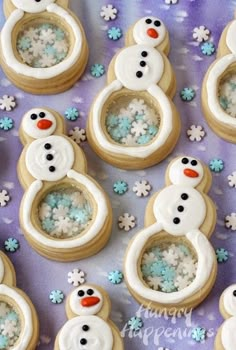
<point>228,334</point>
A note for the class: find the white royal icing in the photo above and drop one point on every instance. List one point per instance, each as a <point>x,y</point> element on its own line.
<point>27,324</point>
<point>40,73</point>
<point>98,337</point>
<point>215,73</point>
<point>30,126</point>
<point>75,301</point>
<point>228,334</point>
<point>230,37</point>
<point>229,300</point>
<point>37,163</point>
<point>96,225</point>
<point>140,151</point>
<point>32,6</point>
<point>140,31</point>
<point>127,64</point>
<point>2,270</point>
<point>177,176</point>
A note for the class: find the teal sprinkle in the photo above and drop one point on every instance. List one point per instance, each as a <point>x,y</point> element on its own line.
<point>135,323</point>
<point>120,187</point>
<point>115,134</point>
<point>65,202</point>
<point>198,334</point>
<point>97,70</point>
<point>125,123</point>
<point>50,50</point>
<point>143,139</point>
<point>168,286</point>
<point>146,270</point>
<point>233,85</point>
<point>60,34</point>
<point>60,56</point>
<point>115,277</point>
<point>157,252</point>
<point>187,94</point>
<point>24,43</point>
<point>153,130</point>
<point>208,49</point>
<point>139,117</point>
<point>45,26</point>
<point>168,273</point>
<point>72,113</point>
<point>51,200</point>
<point>123,131</point>
<point>222,255</point>
<point>184,249</point>
<point>79,215</point>
<point>12,316</point>
<point>112,121</point>
<point>6,123</point>
<point>157,268</point>
<point>224,102</point>
<point>216,165</point>
<point>3,341</point>
<point>56,296</point>
<point>48,225</point>
<point>11,245</point>
<point>114,33</point>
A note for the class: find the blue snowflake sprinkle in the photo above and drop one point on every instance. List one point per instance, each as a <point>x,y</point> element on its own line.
<point>224,102</point>
<point>51,200</point>
<point>60,35</point>
<point>153,130</point>
<point>125,123</point>
<point>24,43</point>
<point>6,123</point>
<point>79,215</point>
<point>56,296</point>
<point>11,245</point>
<point>97,70</point>
<point>115,277</point>
<point>112,121</point>
<point>158,267</point>
<point>45,26</point>
<point>198,334</point>
<point>168,287</point>
<point>114,33</point>
<point>12,316</point>
<point>208,49</point>
<point>139,117</point>
<point>72,113</point>
<point>146,270</point>
<point>64,202</point>
<point>187,94</point>
<point>157,252</point>
<point>135,323</point>
<point>120,187</point>
<point>184,249</point>
<point>3,342</point>
<point>115,134</point>
<point>50,50</point>
<point>222,255</point>
<point>216,165</point>
<point>60,56</point>
<point>143,139</point>
<point>168,273</point>
<point>48,225</point>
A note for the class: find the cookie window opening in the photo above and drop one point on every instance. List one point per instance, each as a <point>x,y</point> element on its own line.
<point>65,212</point>
<point>227,93</point>
<point>10,322</point>
<point>168,266</point>
<point>132,120</point>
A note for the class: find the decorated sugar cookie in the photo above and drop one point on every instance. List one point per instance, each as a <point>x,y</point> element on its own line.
<point>64,213</point>
<point>218,93</point>
<point>226,335</point>
<point>171,263</point>
<point>89,327</point>
<point>19,322</point>
<point>43,48</point>
<point>133,122</point>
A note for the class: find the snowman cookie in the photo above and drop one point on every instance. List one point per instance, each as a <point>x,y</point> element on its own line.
<point>89,327</point>
<point>218,92</point>
<point>19,322</point>
<point>226,335</point>
<point>43,48</point>
<point>133,123</point>
<point>171,263</point>
<point>64,213</point>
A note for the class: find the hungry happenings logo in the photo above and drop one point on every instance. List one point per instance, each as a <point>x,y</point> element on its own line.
<point>155,335</point>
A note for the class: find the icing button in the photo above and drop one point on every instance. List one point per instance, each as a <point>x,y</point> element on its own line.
<point>144,53</point>
<point>83,341</point>
<point>49,157</point>
<point>142,63</point>
<point>52,169</point>
<point>139,74</point>
<point>47,146</point>
<point>184,196</point>
<point>176,221</point>
<point>85,328</point>
<point>180,208</point>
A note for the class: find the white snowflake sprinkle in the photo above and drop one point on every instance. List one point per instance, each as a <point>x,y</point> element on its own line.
<point>195,133</point>
<point>126,222</point>
<point>31,33</point>
<point>44,211</point>
<point>154,282</point>
<point>47,61</point>
<point>26,56</point>
<point>181,282</point>
<point>78,135</point>
<point>3,310</point>
<point>76,277</point>
<point>171,2</point>
<point>151,117</point>
<point>189,268</point>
<point>61,46</point>
<point>230,221</point>
<point>126,112</point>
<point>60,212</point>
<point>47,36</point>
<point>137,106</point>
<point>4,198</point>
<point>232,179</point>
<point>7,103</point>
<point>37,50</point>
<point>171,256</point>
<point>139,128</point>
<point>108,12</point>
<point>142,188</point>
<point>149,258</point>
<point>9,328</point>
<point>63,225</point>
<point>201,34</point>
<point>129,140</point>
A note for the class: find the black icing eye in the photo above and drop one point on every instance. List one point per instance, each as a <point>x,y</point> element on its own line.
<point>90,292</point>
<point>142,63</point>
<point>33,116</point>
<point>52,169</point>
<point>148,21</point>
<point>194,162</point>
<point>47,146</point>
<point>234,293</point>
<point>81,293</point>
<point>144,53</point>
<point>42,114</point>
<point>157,23</point>
<point>139,74</point>
<point>184,160</point>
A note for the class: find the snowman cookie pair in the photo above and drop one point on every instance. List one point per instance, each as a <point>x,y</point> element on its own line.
<point>19,322</point>
<point>64,213</point>
<point>43,48</point>
<point>89,327</point>
<point>218,93</point>
<point>171,263</point>
<point>133,123</point>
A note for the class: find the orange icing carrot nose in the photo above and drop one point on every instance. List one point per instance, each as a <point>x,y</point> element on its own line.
<point>89,301</point>
<point>44,124</point>
<point>190,172</point>
<point>152,33</point>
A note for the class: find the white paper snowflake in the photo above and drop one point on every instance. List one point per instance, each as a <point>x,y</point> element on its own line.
<point>126,222</point>
<point>139,128</point>
<point>47,36</point>
<point>63,225</point>
<point>137,106</point>
<point>47,61</point>
<point>149,258</point>
<point>44,211</point>
<point>154,282</point>
<point>230,221</point>
<point>201,34</point>
<point>37,49</point>
<point>78,135</point>
<point>129,140</point>
<point>76,277</point>
<point>195,133</point>
<point>9,328</point>
<point>189,268</point>
<point>171,2</point>
<point>31,33</point>
<point>60,212</point>
<point>232,179</point>
<point>7,103</point>
<point>26,57</point>
<point>151,117</point>
<point>181,282</point>
<point>4,198</point>
<point>4,309</point>
<point>142,188</point>
<point>170,256</point>
<point>108,12</point>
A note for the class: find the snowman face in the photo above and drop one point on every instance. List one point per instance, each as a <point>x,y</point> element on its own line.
<point>32,6</point>
<point>229,300</point>
<point>39,123</point>
<point>86,300</point>
<point>186,171</point>
<point>149,31</point>
<point>138,67</point>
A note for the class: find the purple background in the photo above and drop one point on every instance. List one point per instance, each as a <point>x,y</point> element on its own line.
<point>38,276</point>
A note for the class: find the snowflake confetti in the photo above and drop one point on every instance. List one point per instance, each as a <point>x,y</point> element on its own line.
<point>135,323</point>
<point>115,277</point>
<point>142,188</point>
<point>187,94</point>
<point>114,33</point>
<point>108,12</point>
<point>72,113</point>
<point>120,187</point>
<point>230,221</point>
<point>198,334</point>
<point>76,277</point>
<point>6,123</point>
<point>222,255</point>
<point>201,34</point>
<point>4,198</point>
<point>11,245</point>
<point>56,296</point>
<point>126,222</point>
<point>7,103</point>
<point>232,179</point>
<point>216,165</point>
<point>78,135</point>
<point>208,49</point>
<point>97,70</point>
<point>195,133</point>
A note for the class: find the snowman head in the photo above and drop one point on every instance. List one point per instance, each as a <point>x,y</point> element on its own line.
<point>229,300</point>
<point>186,171</point>
<point>230,37</point>
<point>38,123</point>
<point>32,6</point>
<point>149,31</point>
<point>86,300</point>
